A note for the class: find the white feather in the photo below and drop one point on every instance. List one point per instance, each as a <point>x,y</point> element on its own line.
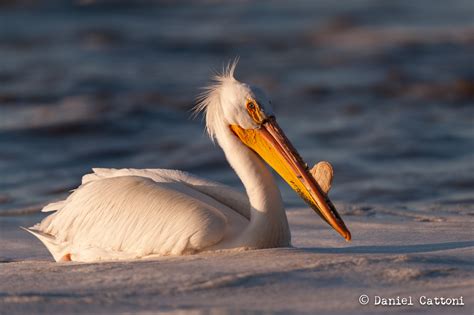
<point>53,206</point>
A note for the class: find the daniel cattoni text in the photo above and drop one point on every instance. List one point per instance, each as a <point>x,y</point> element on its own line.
<point>422,300</point>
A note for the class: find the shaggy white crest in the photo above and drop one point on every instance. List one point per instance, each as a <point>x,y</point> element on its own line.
<point>224,100</point>
<point>209,100</point>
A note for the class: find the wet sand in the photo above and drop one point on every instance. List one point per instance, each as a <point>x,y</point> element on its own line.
<point>390,255</point>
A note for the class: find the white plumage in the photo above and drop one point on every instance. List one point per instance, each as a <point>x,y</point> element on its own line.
<point>132,213</point>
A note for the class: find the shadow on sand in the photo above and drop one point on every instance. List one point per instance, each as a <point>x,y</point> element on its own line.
<point>394,249</point>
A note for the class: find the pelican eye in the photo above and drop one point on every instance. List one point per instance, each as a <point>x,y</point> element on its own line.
<point>255,112</point>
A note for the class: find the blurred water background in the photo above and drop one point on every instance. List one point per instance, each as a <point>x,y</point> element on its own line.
<point>384,90</point>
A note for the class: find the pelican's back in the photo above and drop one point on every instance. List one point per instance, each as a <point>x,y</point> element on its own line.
<point>130,217</point>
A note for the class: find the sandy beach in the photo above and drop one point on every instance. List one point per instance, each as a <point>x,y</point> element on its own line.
<point>320,274</point>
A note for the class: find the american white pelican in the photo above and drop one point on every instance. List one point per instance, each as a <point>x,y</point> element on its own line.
<point>137,213</point>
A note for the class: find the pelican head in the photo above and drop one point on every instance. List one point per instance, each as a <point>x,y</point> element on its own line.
<point>247,113</point>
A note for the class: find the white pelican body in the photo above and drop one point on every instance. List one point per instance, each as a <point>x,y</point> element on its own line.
<point>132,213</point>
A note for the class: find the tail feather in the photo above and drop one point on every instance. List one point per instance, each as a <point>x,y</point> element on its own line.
<point>90,178</point>
<point>54,206</point>
<point>104,172</point>
<point>59,251</point>
<point>98,173</point>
